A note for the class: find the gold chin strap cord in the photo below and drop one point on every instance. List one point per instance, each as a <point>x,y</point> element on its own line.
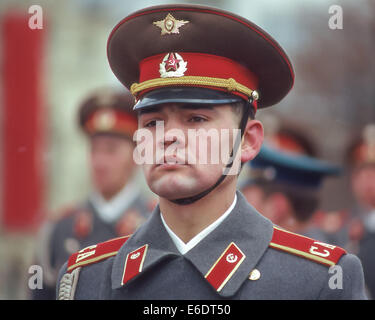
<point>229,84</point>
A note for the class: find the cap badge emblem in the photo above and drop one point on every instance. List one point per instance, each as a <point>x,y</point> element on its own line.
<point>170,25</point>
<point>172,66</point>
<point>104,120</point>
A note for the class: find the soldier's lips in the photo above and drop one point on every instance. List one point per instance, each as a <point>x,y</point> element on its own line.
<point>170,163</point>
<point>170,166</point>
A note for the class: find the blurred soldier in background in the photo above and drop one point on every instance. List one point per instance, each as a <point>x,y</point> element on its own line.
<point>362,228</point>
<point>334,224</point>
<point>253,190</point>
<point>114,207</point>
<point>281,138</point>
<point>288,179</point>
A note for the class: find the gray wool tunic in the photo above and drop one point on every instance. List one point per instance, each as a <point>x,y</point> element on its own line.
<point>148,266</point>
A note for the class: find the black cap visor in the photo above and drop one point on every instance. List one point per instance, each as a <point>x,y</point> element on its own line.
<point>185,95</point>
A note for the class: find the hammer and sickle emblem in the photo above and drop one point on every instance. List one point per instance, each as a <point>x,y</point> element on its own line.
<point>232,258</point>
<point>135,255</point>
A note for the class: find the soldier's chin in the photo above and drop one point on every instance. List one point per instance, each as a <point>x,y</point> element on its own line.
<point>176,188</point>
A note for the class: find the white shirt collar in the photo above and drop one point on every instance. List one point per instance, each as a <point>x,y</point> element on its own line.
<point>110,211</point>
<point>185,247</point>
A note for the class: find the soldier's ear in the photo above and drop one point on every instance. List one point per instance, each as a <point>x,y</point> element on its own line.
<point>252,140</point>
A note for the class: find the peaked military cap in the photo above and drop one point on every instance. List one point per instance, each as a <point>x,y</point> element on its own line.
<point>285,139</point>
<point>108,111</point>
<point>292,140</point>
<point>291,168</point>
<point>197,54</point>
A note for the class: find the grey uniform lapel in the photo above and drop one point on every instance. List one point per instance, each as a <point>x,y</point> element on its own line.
<point>249,231</point>
<point>159,247</point>
<point>245,231</point>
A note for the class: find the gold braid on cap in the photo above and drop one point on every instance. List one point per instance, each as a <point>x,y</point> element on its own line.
<point>229,84</point>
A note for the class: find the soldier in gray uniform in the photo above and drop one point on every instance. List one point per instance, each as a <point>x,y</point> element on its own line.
<point>361,156</point>
<point>190,68</point>
<point>115,205</point>
<point>290,182</point>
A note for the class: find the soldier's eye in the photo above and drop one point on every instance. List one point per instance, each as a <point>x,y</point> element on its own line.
<point>150,124</point>
<point>197,119</point>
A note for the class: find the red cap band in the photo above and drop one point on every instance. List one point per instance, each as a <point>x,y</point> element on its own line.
<point>111,121</point>
<point>199,70</point>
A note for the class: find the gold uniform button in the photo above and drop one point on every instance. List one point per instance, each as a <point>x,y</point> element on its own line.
<point>254,275</point>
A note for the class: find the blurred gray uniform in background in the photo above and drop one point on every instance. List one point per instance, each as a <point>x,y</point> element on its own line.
<point>361,156</point>
<point>287,177</point>
<point>115,207</point>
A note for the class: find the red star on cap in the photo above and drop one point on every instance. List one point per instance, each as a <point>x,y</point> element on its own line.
<point>172,63</point>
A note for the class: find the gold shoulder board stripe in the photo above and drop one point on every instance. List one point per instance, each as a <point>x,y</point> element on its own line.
<point>89,261</point>
<point>302,254</point>
<point>96,253</point>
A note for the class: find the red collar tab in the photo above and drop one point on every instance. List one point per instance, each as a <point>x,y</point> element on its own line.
<point>83,223</point>
<point>134,263</point>
<point>224,267</point>
<point>305,247</point>
<point>95,253</point>
<point>111,121</point>
<point>195,70</point>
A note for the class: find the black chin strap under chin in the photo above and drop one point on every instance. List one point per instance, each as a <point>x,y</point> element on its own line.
<point>192,199</point>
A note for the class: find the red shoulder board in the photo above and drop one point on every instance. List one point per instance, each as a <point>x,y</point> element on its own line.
<point>305,247</point>
<point>96,253</point>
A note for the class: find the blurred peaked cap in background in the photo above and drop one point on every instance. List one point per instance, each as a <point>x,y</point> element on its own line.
<point>290,140</point>
<point>108,111</point>
<point>274,165</point>
<point>192,46</point>
<point>284,138</point>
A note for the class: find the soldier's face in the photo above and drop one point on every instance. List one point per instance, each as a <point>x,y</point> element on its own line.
<point>363,184</point>
<point>183,164</point>
<point>111,163</point>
